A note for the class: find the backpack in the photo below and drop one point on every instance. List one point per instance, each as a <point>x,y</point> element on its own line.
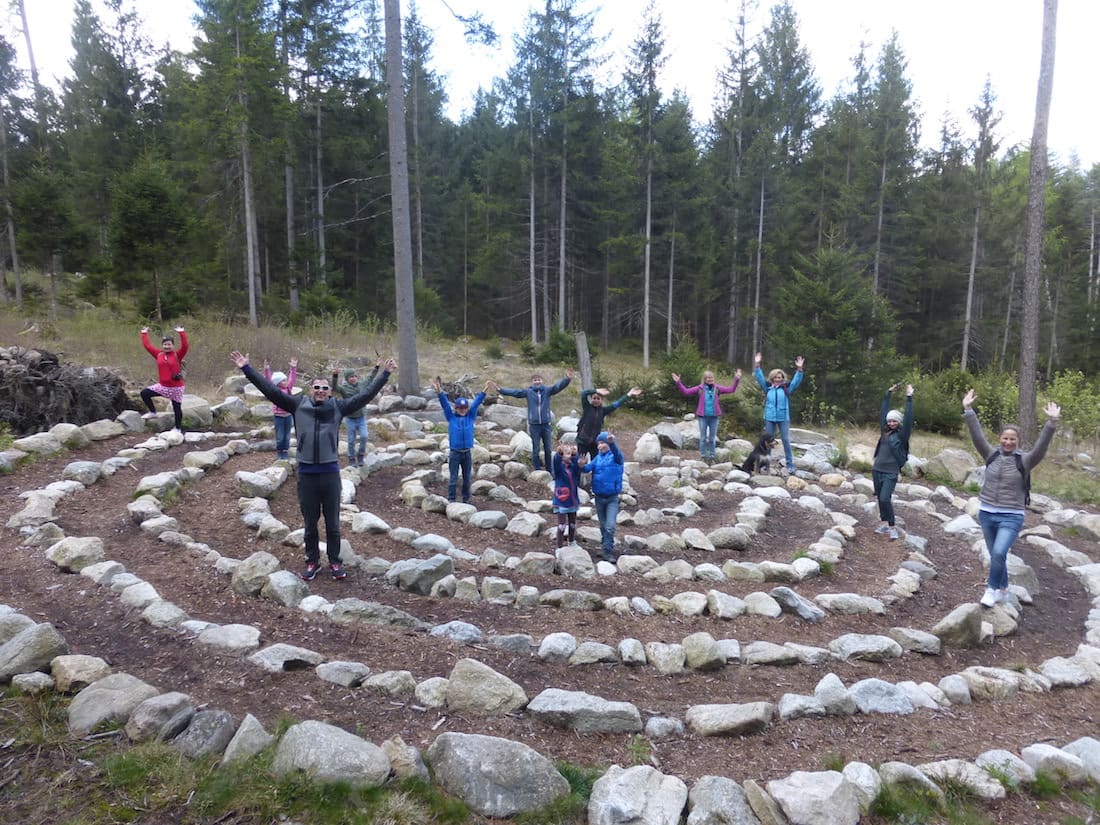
<point>1023,471</point>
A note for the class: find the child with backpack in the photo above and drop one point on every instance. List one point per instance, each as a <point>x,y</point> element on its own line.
<point>1005,490</point>
<point>891,453</point>
<point>567,471</point>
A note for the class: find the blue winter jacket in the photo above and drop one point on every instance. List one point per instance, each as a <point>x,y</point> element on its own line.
<point>538,399</point>
<point>607,471</point>
<point>777,404</point>
<point>567,473</point>
<point>460,428</point>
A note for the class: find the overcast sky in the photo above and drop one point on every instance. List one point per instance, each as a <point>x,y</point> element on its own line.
<point>951,46</point>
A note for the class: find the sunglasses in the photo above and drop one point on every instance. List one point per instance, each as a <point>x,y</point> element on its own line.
<point>320,388</point>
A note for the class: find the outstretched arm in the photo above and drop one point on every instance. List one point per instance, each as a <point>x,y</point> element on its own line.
<point>269,390</point>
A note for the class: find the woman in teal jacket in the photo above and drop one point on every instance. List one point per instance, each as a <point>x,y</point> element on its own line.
<point>777,402</point>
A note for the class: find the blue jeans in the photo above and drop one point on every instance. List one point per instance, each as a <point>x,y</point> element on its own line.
<point>708,434</point>
<point>540,441</point>
<point>460,460</point>
<point>357,431</point>
<point>283,423</point>
<point>785,434</point>
<point>319,493</point>
<point>884,492</point>
<point>1000,531</point>
<point>607,511</point>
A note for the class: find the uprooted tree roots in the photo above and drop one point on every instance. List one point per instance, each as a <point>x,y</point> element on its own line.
<point>38,391</point>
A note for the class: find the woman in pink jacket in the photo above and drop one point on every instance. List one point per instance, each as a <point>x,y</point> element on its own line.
<point>708,409</point>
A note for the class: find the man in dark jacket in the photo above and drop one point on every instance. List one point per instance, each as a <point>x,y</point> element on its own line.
<point>539,418</point>
<point>317,416</point>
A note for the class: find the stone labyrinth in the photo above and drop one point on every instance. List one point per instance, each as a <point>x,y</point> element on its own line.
<point>753,636</point>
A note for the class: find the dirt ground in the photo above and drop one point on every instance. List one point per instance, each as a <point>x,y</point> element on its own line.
<point>94,622</point>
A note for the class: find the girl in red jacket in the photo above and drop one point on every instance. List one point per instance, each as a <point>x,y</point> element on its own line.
<point>169,374</point>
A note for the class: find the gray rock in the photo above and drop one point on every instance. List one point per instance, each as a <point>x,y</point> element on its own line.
<point>729,719</point>
<point>251,574</point>
<point>962,627</point>
<point>666,658</point>
<point>878,696</point>
<point>208,734</point>
<point>478,689</point>
<point>32,684</point>
<point>280,657</point>
<point>583,712</point>
<point>148,720</point>
<point>461,632</point>
<point>916,641</point>
<point>284,587</point>
<point>13,623</point>
<point>834,697</point>
<point>397,684</point>
<point>1043,758</point>
<point>232,638</point>
<point>762,804</point>
<point>865,781</point>
<point>405,760</point>
<point>346,674</point>
<point>494,777</point>
<point>572,599</point>
<point>327,753</point>
<point>352,611</point>
<point>32,648</point>
<point>816,798</point>
<point>1008,764</point>
<point>791,602</point>
<point>422,577</point>
<point>663,727</point>
<point>640,794</point>
<point>905,775</point>
<point>590,653</point>
<point>865,647</point>
<point>1087,749</point>
<point>111,700</point>
<point>74,672</point>
<point>701,652</point>
<point>716,800</point>
<point>249,740</point>
<point>72,554</point>
<point>514,643</point>
<point>955,688</point>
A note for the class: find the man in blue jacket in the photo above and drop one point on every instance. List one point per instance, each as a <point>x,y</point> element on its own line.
<point>777,402</point>
<point>460,437</point>
<point>538,413</point>
<point>607,482</point>
<point>317,417</point>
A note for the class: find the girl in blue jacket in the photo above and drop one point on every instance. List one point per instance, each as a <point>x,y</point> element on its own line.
<point>567,473</point>
<point>777,402</point>
<point>607,482</point>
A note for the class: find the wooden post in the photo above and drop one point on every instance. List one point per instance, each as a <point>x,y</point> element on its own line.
<point>584,360</point>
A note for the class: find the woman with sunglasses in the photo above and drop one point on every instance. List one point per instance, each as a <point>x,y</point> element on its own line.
<point>317,420</point>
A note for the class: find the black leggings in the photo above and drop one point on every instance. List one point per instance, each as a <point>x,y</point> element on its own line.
<point>319,493</point>
<point>567,528</point>
<point>147,395</point>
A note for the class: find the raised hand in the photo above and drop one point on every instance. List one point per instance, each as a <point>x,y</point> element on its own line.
<point>737,374</point>
<point>436,385</point>
<point>294,363</point>
<point>969,399</point>
<point>267,364</point>
<point>894,387</point>
<point>145,330</point>
<point>240,359</point>
<point>757,359</point>
<point>488,386</point>
<point>908,390</point>
<point>179,329</point>
<point>603,391</point>
<point>799,361</point>
<point>1053,411</point>
<point>570,374</point>
<point>634,392</point>
<point>675,377</point>
<point>391,364</point>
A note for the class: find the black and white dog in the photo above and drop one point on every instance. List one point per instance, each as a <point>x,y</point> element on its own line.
<point>759,460</point>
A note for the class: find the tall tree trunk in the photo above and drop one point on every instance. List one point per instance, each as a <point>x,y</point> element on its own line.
<point>1033,245</point>
<point>735,286</point>
<point>759,271</point>
<point>288,168</point>
<point>409,381</point>
<point>970,289</point>
<point>249,224</point>
<point>1008,316</point>
<point>671,281</point>
<point>322,252</point>
<point>39,95</point>
<point>879,221</point>
<point>547,318</point>
<point>648,248</point>
<point>533,277</point>
<point>1094,282</point>
<point>418,200</point>
<point>564,177</point>
<point>9,214</point>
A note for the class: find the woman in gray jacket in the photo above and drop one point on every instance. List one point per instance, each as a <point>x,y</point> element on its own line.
<point>1005,490</point>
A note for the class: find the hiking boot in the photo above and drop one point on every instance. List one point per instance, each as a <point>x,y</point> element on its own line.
<point>337,570</point>
<point>310,573</point>
<point>989,598</point>
<point>893,533</point>
<point>882,529</point>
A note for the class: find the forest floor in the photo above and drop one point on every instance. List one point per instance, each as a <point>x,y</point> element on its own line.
<point>94,622</point>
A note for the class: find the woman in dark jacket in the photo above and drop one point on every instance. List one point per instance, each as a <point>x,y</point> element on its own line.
<point>1004,493</point>
<point>891,453</point>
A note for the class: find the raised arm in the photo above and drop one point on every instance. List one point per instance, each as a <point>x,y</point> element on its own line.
<point>984,448</point>
<point>185,344</point>
<point>357,402</point>
<point>269,390</point>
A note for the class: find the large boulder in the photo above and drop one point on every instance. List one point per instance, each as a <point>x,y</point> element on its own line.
<point>330,754</point>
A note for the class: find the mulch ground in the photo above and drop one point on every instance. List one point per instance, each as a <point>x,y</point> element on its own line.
<point>94,622</point>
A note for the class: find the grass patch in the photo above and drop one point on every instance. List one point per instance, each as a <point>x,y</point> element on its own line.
<point>570,809</point>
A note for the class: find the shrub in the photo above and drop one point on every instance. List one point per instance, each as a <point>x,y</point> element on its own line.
<point>1079,399</point>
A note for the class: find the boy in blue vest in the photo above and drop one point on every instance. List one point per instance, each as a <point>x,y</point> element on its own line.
<point>460,437</point>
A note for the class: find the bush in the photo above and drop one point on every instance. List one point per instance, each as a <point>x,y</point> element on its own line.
<point>937,404</point>
<point>1080,402</point>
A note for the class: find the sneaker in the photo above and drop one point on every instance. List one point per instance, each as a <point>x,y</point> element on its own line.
<point>989,598</point>
<point>1002,596</point>
<point>893,533</point>
<point>882,529</point>
<point>148,416</point>
<point>310,573</point>
<point>337,570</point>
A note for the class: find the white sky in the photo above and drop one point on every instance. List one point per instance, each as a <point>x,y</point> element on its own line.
<point>951,46</point>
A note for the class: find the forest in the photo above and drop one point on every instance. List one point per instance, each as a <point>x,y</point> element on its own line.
<point>249,178</point>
